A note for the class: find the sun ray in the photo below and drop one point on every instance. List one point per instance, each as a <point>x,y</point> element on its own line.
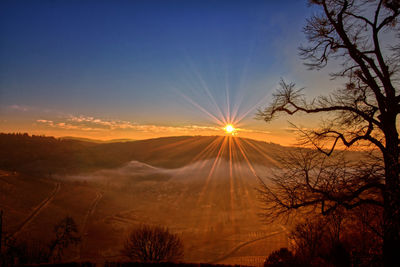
<point>212,146</point>
<point>214,102</point>
<point>252,108</point>
<point>263,153</point>
<point>247,184</point>
<point>197,163</point>
<point>241,177</point>
<point>209,193</point>
<point>243,152</point>
<point>240,191</point>
<point>174,144</point>
<point>218,121</point>
<point>231,182</point>
<point>200,159</point>
<point>246,158</point>
<point>239,98</point>
<point>217,159</point>
<point>228,104</point>
<point>209,152</point>
<point>207,90</point>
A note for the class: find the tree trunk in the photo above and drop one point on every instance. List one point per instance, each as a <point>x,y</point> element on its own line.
<point>1,231</point>
<point>391,238</point>
<point>391,213</point>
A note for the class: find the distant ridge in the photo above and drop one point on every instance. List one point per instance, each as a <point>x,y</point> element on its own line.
<point>96,140</point>
<point>41,155</point>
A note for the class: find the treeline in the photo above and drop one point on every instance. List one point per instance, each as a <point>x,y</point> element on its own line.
<point>40,155</point>
<point>46,156</point>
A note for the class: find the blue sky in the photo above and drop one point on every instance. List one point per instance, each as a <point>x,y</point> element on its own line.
<point>140,61</point>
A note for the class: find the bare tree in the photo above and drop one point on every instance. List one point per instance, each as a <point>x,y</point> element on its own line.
<point>314,246</point>
<point>153,244</point>
<point>66,234</point>
<point>309,180</point>
<point>364,111</point>
<point>309,238</point>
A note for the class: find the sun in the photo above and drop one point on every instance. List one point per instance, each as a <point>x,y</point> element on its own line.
<point>229,129</point>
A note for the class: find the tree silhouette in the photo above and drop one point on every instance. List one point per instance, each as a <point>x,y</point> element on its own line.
<point>153,244</point>
<point>280,258</point>
<point>314,245</point>
<point>66,234</point>
<point>364,111</point>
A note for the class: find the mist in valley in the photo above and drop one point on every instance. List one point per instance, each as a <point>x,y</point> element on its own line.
<point>212,204</point>
<point>209,199</point>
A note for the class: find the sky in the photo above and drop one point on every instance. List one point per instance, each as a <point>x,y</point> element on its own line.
<point>144,69</point>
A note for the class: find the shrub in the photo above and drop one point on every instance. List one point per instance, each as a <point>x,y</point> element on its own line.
<point>280,258</point>
<point>153,244</point>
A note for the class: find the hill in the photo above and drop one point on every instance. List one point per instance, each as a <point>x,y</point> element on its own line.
<point>96,140</point>
<point>176,182</point>
<point>203,188</point>
<point>40,155</point>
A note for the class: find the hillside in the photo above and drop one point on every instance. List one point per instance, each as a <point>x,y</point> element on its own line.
<point>203,188</point>
<point>96,140</point>
<point>110,188</point>
<point>39,155</point>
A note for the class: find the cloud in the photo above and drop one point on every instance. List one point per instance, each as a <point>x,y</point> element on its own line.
<point>19,108</point>
<point>252,131</point>
<point>47,122</point>
<point>97,123</point>
<point>89,124</point>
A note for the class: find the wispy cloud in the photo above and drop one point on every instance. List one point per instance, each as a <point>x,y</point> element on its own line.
<point>96,123</point>
<point>252,131</point>
<point>88,123</point>
<point>48,122</point>
<point>92,124</point>
<point>19,108</point>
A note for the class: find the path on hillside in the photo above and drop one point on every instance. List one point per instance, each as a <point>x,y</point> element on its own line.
<point>235,249</point>
<point>90,211</point>
<point>4,174</point>
<point>38,209</point>
<point>118,217</point>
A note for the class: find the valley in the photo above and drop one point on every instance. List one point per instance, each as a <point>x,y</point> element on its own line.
<point>210,201</point>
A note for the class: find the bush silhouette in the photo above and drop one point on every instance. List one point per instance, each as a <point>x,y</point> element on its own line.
<point>66,234</point>
<point>21,252</point>
<point>280,258</point>
<point>153,244</point>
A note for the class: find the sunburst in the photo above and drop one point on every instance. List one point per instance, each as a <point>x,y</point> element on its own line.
<point>229,129</point>
<point>227,147</point>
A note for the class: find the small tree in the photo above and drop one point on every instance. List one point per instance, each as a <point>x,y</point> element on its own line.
<point>66,234</point>
<point>309,239</point>
<point>316,244</point>
<point>280,258</point>
<point>153,244</point>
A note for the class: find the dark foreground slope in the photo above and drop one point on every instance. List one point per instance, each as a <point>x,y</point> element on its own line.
<point>201,188</point>
<point>39,155</point>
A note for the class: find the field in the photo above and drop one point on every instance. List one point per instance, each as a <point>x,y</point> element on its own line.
<point>209,199</point>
